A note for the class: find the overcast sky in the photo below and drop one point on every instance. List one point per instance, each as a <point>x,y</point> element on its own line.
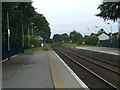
<point>65,16</point>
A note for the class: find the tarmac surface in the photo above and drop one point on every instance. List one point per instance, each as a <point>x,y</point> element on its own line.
<point>39,69</point>
<point>114,51</point>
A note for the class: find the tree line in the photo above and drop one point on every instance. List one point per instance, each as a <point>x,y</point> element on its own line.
<point>22,16</point>
<point>75,38</point>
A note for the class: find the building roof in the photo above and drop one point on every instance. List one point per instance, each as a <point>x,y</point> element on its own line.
<point>102,33</point>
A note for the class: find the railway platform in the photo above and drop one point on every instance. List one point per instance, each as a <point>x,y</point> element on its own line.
<point>114,51</point>
<point>40,69</point>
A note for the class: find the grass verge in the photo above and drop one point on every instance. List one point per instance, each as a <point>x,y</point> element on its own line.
<point>34,49</point>
<point>75,45</point>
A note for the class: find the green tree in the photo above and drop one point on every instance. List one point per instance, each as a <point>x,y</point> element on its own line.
<point>42,25</point>
<point>19,13</point>
<point>75,36</point>
<point>57,38</point>
<point>33,40</point>
<point>22,14</point>
<point>91,40</point>
<point>61,38</point>
<point>109,10</point>
<point>65,38</point>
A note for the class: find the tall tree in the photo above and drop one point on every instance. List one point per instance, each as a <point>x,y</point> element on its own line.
<point>74,36</point>
<point>19,12</point>
<point>57,38</point>
<point>109,10</point>
<point>42,25</point>
<point>65,38</point>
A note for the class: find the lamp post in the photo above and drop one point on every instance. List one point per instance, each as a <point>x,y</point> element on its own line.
<point>28,36</point>
<point>8,35</point>
<point>71,39</point>
<point>88,30</point>
<point>118,32</point>
<point>111,34</point>
<point>36,31</point>
<point>97,35</point>
<point>23,46</point>
<point>32,27</point>
<point>22,38</point>
<point>29,33</point>
<point>97,28</point>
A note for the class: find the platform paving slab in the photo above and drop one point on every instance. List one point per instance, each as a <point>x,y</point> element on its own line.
<point>40,69</point>
<point>27,71</point>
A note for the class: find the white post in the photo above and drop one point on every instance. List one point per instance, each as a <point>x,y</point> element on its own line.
<point>8,36</point>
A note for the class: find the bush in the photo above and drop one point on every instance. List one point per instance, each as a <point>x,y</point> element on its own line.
<point>91,40</point>
<point>33,41</point>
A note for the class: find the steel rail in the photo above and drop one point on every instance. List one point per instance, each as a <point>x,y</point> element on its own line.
<point>113,86</point>
<point>94,63</point>
<point>99,59</point>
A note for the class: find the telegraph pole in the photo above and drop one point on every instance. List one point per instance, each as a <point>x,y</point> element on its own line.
<point>22,38</point>
<point>8,35</point>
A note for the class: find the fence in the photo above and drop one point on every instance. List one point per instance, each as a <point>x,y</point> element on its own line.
<point>114,43</point>
<point>14,49</point>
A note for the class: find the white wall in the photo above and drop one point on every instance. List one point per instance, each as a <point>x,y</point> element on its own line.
<point>103,36</point>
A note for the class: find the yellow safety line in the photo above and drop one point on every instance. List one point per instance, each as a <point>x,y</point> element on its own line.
<point>57,79</point>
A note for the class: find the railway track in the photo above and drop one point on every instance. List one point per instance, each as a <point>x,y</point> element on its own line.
<point>108,65</point>
<point>95,58</point>
<point>98,76</point>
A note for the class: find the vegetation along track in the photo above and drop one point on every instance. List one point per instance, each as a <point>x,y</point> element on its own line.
<point>94,74</point>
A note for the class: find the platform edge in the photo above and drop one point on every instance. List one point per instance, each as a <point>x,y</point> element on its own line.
<point>75,76</point>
